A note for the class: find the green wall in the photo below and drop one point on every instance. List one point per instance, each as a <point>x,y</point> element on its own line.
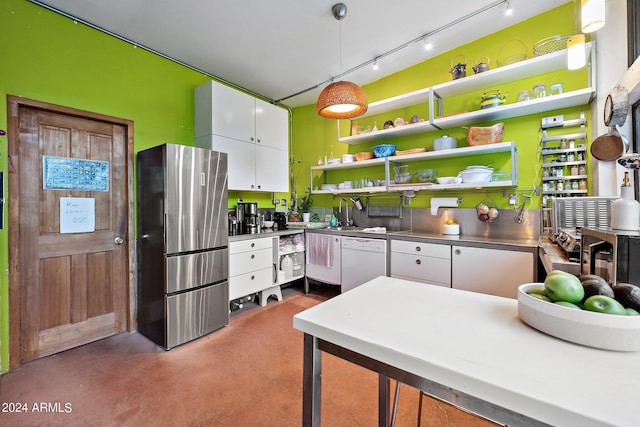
<point>314,137</point>
<point>51,58</point>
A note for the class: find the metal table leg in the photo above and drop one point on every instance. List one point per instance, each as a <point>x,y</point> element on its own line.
<point>311,382</point>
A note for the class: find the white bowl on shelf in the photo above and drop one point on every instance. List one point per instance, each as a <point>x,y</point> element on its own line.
<point>588,328</point>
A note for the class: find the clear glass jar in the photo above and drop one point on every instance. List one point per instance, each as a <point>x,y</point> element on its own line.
<point>582,184</point>
<point>559,171</point>
<point>560,186</point>
<point>582,170</point>
<point>572,144</point>
<point>545,173</point>
<point>574,170</point>
<point>571,157</point>
<point>575,185</point>
<point>580,157</point>
<point>563,144</point>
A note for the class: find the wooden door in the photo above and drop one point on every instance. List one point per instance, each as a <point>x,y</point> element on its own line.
<point>69,288</point>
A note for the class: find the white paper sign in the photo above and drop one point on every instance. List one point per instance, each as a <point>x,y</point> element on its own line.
<point>77,215</point>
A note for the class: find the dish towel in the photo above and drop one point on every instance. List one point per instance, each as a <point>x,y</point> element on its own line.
<point>320,249</point>
<point>375,230</point>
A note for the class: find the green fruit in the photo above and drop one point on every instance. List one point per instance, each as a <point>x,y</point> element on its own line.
<point>541,296</point>
<point>563,287</point>
<point>536,290</point>
<point>568,304</point>
<point>604,304</point>
<point>631,312</point>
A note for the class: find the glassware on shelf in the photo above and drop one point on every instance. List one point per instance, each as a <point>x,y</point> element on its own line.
<point>540,90</point>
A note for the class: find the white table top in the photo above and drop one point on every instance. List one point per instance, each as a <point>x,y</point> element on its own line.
<point>477,344</point>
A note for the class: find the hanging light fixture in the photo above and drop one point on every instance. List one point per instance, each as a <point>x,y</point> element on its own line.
<point>341,99</point>
<point>592,15</point>
<point>576,52</point>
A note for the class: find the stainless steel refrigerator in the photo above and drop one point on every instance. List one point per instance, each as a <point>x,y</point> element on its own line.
<point>183,289</point>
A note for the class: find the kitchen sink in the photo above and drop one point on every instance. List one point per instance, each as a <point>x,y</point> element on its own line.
<point>345,228</point>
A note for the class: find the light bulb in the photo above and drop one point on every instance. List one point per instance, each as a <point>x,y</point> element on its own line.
<point>576,52</point>
<point>592,15</point>
<point>375,65</point>
<point>508,11</point>
<point>427,44</point>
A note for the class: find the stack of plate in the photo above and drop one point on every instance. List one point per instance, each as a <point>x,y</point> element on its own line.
<point>329,187</point>
<point>333,161</point>
<point>476,174</point>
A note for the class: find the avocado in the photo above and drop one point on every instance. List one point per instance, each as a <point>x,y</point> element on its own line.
<point>593,277</point>
<point>628,295</point>
<point>596,287</point>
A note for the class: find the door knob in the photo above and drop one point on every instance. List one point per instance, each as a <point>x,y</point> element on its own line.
<point>118,240</point>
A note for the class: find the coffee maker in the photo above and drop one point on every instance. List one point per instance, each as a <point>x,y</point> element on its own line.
<point>251,218</point>
<point>280,219</point>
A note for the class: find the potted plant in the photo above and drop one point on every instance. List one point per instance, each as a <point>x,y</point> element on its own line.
<point>305,203</point>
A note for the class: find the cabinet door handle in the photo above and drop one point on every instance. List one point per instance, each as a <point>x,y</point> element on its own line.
<point>418,248</point>
<point>251,138</point>
<point>258,140</point>
<point>253,256</point>
<point>418,262</point>
<point>253,277</point>
<point>457,252</point>
<point>253,245</point>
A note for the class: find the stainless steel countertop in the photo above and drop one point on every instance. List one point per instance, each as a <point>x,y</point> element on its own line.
<point>265,233</point>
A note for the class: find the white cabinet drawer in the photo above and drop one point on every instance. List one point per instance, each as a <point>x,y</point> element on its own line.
<point>250,245</point>
<point>419,248</point>
<point>421,268</point>
<point>245,262</point>
<point>250,283</point>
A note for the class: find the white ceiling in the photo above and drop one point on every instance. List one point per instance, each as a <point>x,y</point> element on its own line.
<point>277,48</point>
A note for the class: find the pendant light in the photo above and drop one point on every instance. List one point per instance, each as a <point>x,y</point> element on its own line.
<point>576,52</point>
<point>592,15</point>
<point>341,99</point>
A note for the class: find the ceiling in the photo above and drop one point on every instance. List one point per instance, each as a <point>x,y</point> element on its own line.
<point>279,48</point>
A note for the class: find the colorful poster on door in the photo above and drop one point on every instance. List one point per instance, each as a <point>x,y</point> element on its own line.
<point>66,173</point>
<point>77,215</point>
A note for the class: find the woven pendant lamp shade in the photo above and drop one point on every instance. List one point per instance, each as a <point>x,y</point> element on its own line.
<point>342,100</point>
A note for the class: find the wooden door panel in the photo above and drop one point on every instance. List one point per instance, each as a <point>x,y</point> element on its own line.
<point>73,286</point>
<point>55,296</point>
<point>99,287</point>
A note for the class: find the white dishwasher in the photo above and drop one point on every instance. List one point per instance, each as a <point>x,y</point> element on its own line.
<point>363,259</point>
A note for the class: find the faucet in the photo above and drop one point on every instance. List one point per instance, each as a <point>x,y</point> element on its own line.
<point>346,210</point>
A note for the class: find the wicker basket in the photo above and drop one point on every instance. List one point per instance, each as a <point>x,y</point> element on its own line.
<point>485,135</point>
<point>364,155</point>
<point>550,44</point>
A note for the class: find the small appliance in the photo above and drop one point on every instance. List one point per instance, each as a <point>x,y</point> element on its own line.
<point>611,254</point>
<point>251,218</point>
<point>280,219</point>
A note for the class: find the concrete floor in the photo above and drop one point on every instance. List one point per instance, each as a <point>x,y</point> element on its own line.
<point>247,374</point>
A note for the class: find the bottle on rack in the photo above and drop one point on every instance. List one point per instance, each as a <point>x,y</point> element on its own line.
<point>297,264</point>
<point>625,211</point>
<point>287,266</point>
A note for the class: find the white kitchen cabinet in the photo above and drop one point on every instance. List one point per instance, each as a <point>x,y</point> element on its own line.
<point>251,266</point>
<point>421,262</point>
<point>327,274</point>
<point>253,132</point>
<point>491,271</point>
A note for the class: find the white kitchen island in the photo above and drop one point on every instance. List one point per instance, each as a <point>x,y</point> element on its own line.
<point>471,350</point>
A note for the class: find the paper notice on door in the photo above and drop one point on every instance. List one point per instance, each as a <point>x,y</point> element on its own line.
<point>77,214</point>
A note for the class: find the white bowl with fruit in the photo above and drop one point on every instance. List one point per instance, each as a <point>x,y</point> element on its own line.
<point>582,310</point>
